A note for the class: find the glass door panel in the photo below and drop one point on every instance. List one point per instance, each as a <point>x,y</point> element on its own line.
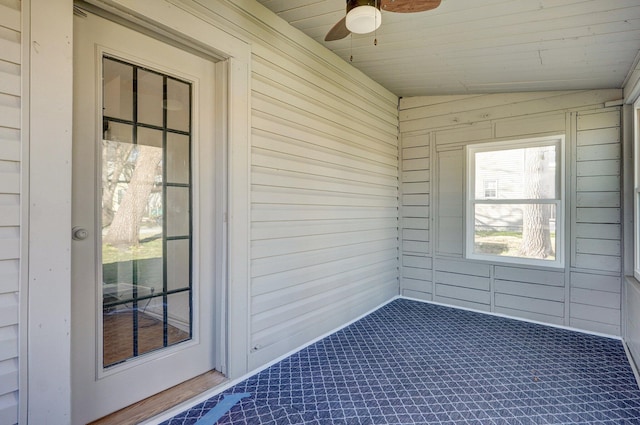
<point>146,212</point>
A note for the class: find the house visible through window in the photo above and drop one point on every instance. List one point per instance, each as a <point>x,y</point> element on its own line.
<point>522,222</point>
<point>490,189</point>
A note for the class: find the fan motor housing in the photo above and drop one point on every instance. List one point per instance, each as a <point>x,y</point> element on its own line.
<point>352,4</point>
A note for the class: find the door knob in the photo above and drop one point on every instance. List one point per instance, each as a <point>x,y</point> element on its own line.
<point>79,233</point>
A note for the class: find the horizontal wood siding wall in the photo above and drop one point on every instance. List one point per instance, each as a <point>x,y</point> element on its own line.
<point>324,187</point>
<point>415,241</point>
<point>596,256</point>
<point>585,294</point>
<point>10,148</point>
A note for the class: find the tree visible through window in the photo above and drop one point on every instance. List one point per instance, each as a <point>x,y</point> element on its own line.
<point>518,223</point>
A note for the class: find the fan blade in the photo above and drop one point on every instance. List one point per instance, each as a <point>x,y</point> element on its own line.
<point>339,31</point>
<point>408,6</point>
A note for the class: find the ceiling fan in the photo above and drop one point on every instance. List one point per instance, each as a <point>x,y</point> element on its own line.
<point>363,16</point>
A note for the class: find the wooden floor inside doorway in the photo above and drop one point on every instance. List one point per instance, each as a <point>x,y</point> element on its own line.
<point>118,346</point>
<point>163,401</point>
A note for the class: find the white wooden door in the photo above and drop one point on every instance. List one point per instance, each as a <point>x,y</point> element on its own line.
<point>144,217</point>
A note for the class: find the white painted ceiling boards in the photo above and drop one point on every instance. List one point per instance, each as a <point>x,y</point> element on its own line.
<point>485,46</point>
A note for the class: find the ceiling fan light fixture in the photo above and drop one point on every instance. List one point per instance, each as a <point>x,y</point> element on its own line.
<point>363,19</point>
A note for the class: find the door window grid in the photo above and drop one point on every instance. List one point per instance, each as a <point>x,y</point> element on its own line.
<point>136,296</point>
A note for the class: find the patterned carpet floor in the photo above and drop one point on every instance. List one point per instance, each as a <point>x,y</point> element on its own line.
<point>417,363</point>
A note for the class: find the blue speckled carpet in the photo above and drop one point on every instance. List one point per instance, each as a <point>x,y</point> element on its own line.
<point>417,363</point>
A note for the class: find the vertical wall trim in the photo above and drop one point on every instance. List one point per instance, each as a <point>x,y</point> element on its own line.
<point>433,193</point>
<point>492,285</point>
<point>570,215</point>
<point>23,354</point>
<point>50,57</point>
<point>628,190</point>
<point>239,301</point>
<point>628,118</point>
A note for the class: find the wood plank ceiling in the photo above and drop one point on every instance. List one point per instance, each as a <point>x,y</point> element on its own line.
<point>485,46</point>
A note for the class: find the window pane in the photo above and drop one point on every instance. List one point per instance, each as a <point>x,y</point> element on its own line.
<point>178,102</point>
<point>149,97</point>
<point>525,173</point>
<point>515,230</point>
<point>177,211</point>
<point>177,158</point>
<point>118,89</point>
<point>178,264</point>
<point>150,137</point>
<point>179,314</point>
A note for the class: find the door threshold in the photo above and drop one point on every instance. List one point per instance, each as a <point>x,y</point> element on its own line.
<point>163,401</point>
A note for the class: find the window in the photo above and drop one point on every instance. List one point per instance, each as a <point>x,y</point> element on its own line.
<point>521,222</point>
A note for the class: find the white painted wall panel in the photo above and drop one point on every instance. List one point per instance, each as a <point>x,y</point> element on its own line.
<point>598,243</point>
<point>416,261</point>
<point>517,274</point>
<point>463,280</point>
<point>529,315</point>
<point>591,278</point>
<point>290,270</point>
<point>464,267</point>
<point>598,199</point>
<point>449,202</point>
<point>8,343</point>
<point>598,136</point>
<point>533,305</point>
<point>598,152</point>
<point>552,124</point>
<point>598,282</point>
<point>598,262</point>
<point>598,168</point>
<point>463,283</point>
<point>598,231</point>
<point>416,295</point>
<point>465,134</point>
<point>598,246</point>
<point>598,215</point>
<point>598,120</point>
<point>415,247</point>
<point>418,285</point>
<point>10,208</point>
<point>599,183</point>
<point>459,302</point>
<point>530,290</point>
<point>415,237</point>
<point>463,294</point>
<point>324,188</point>
<point>586,296</point>
<point>457,112</point>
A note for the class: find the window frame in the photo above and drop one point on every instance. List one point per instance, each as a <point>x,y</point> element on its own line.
<point>559,201</point>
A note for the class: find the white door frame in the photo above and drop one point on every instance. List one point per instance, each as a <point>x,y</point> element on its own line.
<point>45,395</point>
